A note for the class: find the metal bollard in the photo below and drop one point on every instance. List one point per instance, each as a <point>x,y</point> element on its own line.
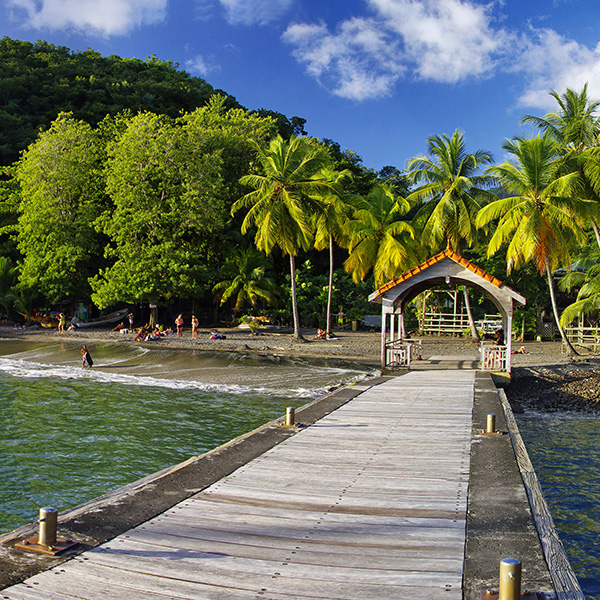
<point>510,579</point>
<point>491,423</point>
<point>290,416</point>
<point>47,521</point>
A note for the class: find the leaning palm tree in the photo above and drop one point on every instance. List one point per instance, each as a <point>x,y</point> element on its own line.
<point>378,238</point>
<point>450,192</point>
<point>539,222</point>
<point>330,224</point>
<point>285,200</point>
<point>246,280</point>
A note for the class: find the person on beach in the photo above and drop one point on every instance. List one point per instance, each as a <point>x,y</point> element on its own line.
<point>340,317</point>
<point>130,318</point>
<point>62,321</point>
<point>499,337</point>
<point>195,324</point>
<point>179,323</point>
<point>85,357</point>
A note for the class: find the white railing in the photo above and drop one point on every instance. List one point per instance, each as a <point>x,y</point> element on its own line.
<point>400,353</point>
<point>494,358</point>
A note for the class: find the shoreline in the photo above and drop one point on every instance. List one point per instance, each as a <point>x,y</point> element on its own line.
<point>542,379</point>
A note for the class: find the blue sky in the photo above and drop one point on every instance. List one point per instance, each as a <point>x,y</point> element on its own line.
<point>377,76</point>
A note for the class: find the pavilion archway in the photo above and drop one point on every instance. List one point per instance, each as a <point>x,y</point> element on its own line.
<point>447,268</point>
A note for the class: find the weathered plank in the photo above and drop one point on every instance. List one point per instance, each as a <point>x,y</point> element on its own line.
<point>370,502</point>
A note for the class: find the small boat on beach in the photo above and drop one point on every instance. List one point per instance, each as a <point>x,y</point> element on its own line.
<point>100,321</point>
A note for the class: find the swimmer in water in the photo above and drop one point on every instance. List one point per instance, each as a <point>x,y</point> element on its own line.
<point>85,357</point>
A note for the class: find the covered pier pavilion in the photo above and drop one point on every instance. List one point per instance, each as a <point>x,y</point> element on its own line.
<point>445,268</point>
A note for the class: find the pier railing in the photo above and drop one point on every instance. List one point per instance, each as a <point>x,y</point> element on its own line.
<point>399,353</point>
<point>494,358</point>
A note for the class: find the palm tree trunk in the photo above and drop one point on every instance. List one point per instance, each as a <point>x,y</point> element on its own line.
<point>474,333</point>
<point>596,232</point>
<point>297,335</point>
<point>330,292</point>
<point>570,350</point>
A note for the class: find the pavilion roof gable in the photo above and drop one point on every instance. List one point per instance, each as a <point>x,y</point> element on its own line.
<point>478,274</point>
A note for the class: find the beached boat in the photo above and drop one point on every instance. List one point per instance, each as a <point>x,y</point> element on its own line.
<point>109,319</point>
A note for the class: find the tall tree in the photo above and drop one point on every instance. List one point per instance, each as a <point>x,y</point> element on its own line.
<point>331,222</point>
<point>167,201</point>
<point>575,126</point>
<point>538,222</point>
<point>378,237</point>
<point>450,192</point>
<point>62,191</point>
<point>285,200</point>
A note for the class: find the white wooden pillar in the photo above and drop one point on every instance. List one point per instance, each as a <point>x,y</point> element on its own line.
<point>392,327</point>
<point>383,328</point>
<point>508,338</point>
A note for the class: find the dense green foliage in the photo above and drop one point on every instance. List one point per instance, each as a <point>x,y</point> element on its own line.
<point>39,81</point>
<point>129,181</point>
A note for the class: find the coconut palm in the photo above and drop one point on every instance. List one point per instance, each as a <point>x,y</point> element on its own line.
<point>538,222</point>
<point>575,126</point>
<point>450,192</point>
<point>246,280</point>
<point>285,200</point>
<point>378,238</point>
<point>331,221</point>
<point>588,296</point>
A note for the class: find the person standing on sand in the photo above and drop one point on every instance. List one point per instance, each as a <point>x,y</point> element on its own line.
<point>62,321</point>
<point>85,357</point>
<point>195,324</point>
<point>179,323</point>
<point>130,317</point>
<point>340,317</point>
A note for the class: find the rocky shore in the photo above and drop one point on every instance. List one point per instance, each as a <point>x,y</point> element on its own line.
<point>543,377</point>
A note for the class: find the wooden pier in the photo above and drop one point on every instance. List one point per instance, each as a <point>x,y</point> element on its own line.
<point>369,502</point>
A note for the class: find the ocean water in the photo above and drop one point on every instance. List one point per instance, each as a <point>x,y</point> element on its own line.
<point>68,434</point>
<point>565,451</point>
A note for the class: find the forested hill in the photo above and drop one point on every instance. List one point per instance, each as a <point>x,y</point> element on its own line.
<point>38,81</point>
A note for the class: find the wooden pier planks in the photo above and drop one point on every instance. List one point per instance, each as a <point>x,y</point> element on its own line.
<point>370,502</point>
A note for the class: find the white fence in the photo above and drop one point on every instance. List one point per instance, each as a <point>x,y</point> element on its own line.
<point>494,358</point>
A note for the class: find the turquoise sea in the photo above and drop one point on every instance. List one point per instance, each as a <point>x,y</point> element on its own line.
<point>68,435</point>
<point>565,451</point>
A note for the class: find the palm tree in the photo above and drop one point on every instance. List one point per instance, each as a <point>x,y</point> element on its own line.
<point>246,280</point>
<point>588,297</point>
<point>285,200</point>
<point>330,224</point>
<point>449,193</point>
<point>378,239</point>
<point>576,128</point>
<point>539,222</point>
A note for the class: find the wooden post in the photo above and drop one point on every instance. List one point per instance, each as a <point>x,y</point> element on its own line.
<point>383,328</point>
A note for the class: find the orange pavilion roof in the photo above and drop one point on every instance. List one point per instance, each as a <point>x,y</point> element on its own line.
<point>447,253</point>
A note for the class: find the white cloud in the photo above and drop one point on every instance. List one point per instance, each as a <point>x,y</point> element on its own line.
<point>446,40</point>
<point>201,65</point>
<point>359,61</point>
<point>104,17</point>
<point>251,12</point>
<point>553,62</point>
<point>437,40</point>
